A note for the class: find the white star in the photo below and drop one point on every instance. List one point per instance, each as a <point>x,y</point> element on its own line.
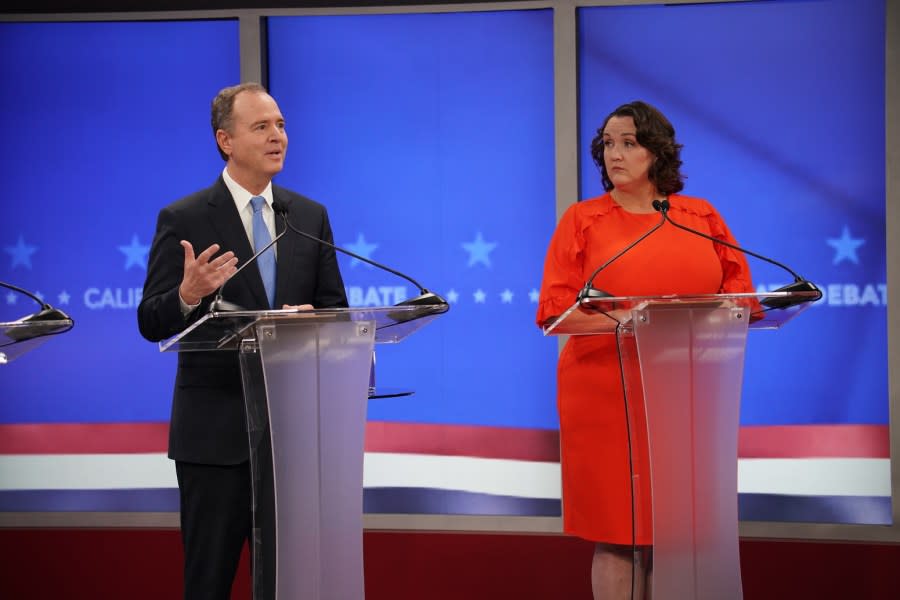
<point>362,248</point>
<point>479,296</point>
<point>452,297</point>
<point>64,297</point>
<point>39,295</point>
<point>506,296</point>
<point>845,247</point>
<point>479,250</point>
<point>533,295</point>
<point>10,298</point>
<point>21,253</point>
<point>135,253</point>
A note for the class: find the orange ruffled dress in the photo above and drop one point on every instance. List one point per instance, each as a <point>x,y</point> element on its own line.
<point>593,435</point>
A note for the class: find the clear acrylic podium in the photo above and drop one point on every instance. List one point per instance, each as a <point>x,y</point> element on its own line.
<point>22,336</point>
<point>683,359</point>
<point>306,374</point>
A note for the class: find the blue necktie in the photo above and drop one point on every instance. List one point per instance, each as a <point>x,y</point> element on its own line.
<point>261,237</point>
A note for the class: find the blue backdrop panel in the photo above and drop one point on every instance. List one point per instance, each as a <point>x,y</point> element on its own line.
<point>430,139</point>
<point>780,107</point>
<point>105,123</point>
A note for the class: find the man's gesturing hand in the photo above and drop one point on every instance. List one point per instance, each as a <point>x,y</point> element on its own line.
<point>203,276</point>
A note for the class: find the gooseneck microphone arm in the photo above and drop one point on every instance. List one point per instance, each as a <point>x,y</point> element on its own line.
<point>663,207</point>
<point>589,291</point>
<point>15,288</point>
<point>47,312</point>
<point>221,305</point>
<point>799,285</point>
<point>425,297</point>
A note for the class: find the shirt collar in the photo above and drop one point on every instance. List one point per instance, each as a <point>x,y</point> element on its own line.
<point>242,196</point>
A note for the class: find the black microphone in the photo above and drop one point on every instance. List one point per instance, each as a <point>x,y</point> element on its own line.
<point>425,297</point>
<point>589,291</point>
<point>219,304</point>
<point>47,313</point>
<point>799,285</point>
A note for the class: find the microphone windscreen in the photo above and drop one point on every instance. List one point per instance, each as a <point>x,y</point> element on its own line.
<point>279,207</point>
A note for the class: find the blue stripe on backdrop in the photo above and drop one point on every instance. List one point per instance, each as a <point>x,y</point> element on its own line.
<point>872,510</point>
<point>122,500</point>
<point>875,510</point>
<point>427,501</point>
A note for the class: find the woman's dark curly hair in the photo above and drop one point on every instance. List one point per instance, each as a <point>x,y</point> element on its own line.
<point>656,134</point>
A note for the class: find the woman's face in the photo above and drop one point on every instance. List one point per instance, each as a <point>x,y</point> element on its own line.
<point>627,162</point>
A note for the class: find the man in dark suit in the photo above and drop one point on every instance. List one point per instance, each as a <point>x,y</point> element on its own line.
<point>200,240</point>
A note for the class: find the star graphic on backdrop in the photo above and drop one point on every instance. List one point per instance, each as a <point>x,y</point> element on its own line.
<point>39,295</point>
<point>479,250</point>
<point>506,296</point>
<point>452,296</point>
<point>362,248</point>
<point>533,295</point>
<point>135,253</point>
<point>10,298</point>
<point>21,253</point>
<point>845,247</point>
<point>479,296</point>
<point>64,297</point>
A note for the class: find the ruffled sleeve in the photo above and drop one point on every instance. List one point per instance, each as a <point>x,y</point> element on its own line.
<point>735,270</point>
<point>563,267</point>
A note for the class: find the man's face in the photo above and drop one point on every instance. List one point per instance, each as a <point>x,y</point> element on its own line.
<point>257,142</point>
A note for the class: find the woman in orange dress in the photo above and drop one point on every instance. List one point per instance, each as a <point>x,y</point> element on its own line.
<point>639,161</point>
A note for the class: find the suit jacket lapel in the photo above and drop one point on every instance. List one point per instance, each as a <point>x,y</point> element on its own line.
<point>227,222</point>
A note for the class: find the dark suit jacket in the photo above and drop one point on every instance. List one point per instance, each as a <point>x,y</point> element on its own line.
<point>208,423</point>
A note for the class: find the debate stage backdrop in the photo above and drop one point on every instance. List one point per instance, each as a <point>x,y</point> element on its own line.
<point>430,138</point>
